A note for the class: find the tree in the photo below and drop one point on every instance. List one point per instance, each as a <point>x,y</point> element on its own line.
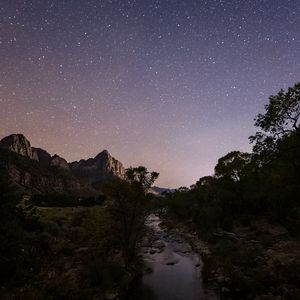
<point>281,119</point>
<point>232,173</point>
<point>183,189</point>
<point>141,176</point>
<point>233,165</point>
<point>128,208</point>
<point>205,181</point>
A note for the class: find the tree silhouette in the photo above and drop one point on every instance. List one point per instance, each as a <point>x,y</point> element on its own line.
<point>142,176</point>
<point>128,208</point>
<point>281,119</point>
<point>233,165</point>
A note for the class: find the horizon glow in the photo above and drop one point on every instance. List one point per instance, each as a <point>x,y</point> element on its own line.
<point>172,85</point>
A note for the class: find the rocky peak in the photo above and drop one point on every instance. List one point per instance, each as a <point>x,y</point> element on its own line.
<point>109,164</point>
<point>102,165</point>
<point>90,172</point>
<point>103,153</point>
<point>19,144</point>
<point>102,156</point>
<point>59,162</point>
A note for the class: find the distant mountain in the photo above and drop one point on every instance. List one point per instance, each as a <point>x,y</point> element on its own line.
<point>160,191</point>
<point>34,168</point>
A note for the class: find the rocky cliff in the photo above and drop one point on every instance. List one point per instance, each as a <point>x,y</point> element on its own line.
<point>101,167</point>
<point>19,144</point>
<point>28,174</point>
<point>36,169</point>
<point>43,156</point>
<point>59,162</point>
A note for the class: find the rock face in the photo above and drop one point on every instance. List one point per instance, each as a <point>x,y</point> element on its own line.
<point>101,167</point>
<point>19,144</point>
<point>36,169</point>
<point>43,156</point>
<point>46,182</point>
<point>59,163</point>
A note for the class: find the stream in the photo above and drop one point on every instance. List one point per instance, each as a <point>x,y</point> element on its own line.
<point>173,269</point>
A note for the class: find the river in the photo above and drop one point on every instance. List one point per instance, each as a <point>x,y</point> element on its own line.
<point>173,269</point>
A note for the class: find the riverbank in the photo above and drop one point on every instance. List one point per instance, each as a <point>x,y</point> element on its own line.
<point>259,262</point>
<point>211,291</point>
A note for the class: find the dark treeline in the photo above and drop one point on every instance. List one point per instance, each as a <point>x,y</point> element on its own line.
<point>58,200</point>
<point>263,183</point>
<point>248,190</point>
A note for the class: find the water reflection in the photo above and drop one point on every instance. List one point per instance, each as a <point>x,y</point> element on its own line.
<point>176,270</point>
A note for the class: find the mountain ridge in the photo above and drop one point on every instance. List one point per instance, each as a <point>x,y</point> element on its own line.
<point>85,174</point>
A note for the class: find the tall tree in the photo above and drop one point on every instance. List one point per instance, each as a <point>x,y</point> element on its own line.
<point>233,165</point>
<point>128,208</point>
<point>280,132</point>
<point>142,176</point>
<point>281,119</point>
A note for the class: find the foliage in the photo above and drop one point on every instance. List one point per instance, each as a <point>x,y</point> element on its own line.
<point>61,200</point>
<point>52,253</point>
<point>233,166</point>
<point>142,176</point>
<point>280,120</point>
<point>282,113</point>
<point>128,208</point>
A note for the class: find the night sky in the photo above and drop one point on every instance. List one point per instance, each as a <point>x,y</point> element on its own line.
<point>172,85</point>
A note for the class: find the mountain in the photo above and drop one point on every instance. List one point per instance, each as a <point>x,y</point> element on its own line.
<point>35,169</point>
<point>99,168</point>
<point>160,191</point>
<point>43,156</point>
<point>19,144</point>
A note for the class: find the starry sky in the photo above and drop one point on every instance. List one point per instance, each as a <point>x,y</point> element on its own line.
<point>169,84</point>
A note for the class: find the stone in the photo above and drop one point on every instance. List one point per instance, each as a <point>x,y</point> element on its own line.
<point>158,244</point>
<point>111,296</point>
<point>221,279</point>
<point>43,156</point>
<point>44,174</point>
<point>102,166</point>
<point>171,261</point>
<point>59,162</point>
<point>18,144</point>
<point>81,250</point>
<point>225,290</point>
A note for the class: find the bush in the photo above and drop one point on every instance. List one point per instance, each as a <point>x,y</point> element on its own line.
<point>104,273</point>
